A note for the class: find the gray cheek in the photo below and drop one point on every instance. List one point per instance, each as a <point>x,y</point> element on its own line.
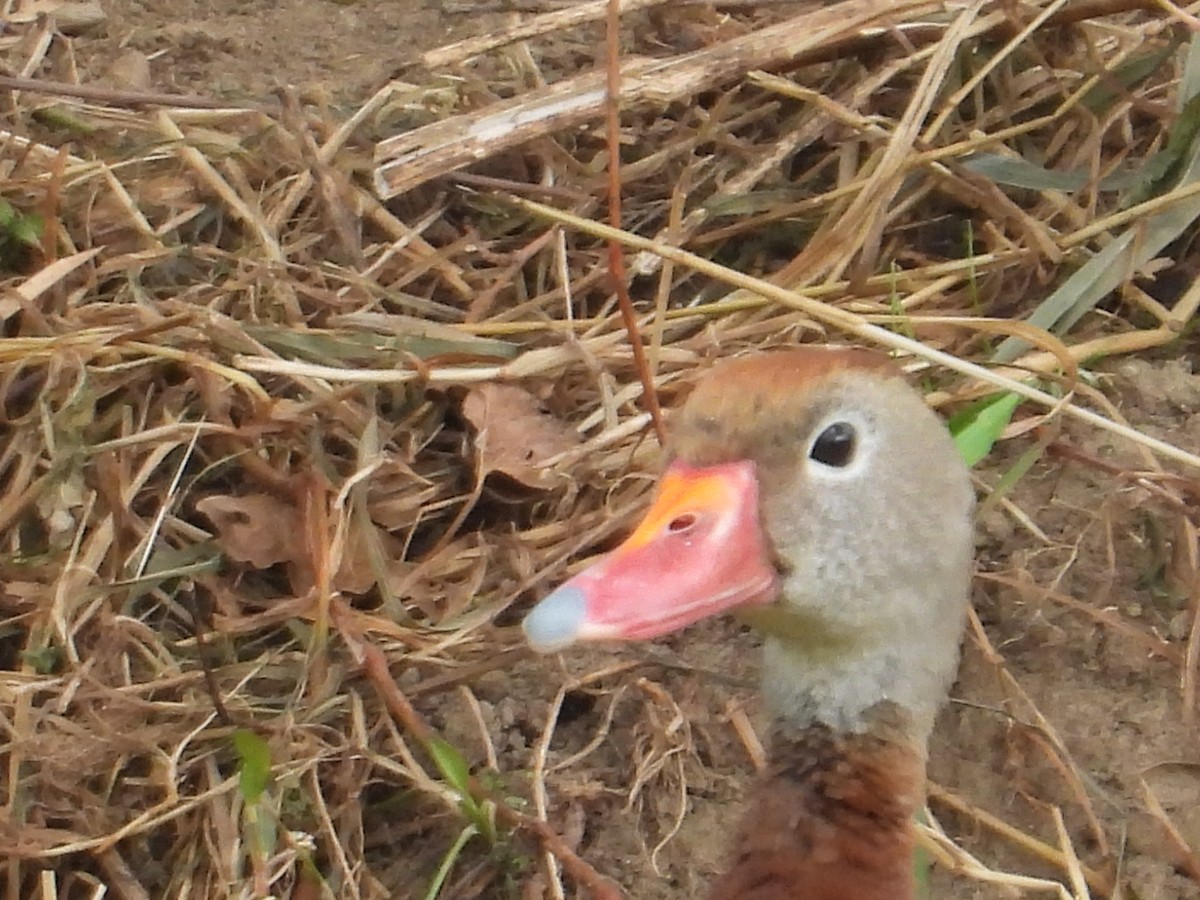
<point>821,536</point>
<point>789,518</point>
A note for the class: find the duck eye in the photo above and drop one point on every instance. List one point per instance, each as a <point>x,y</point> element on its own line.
<point>835,445</point>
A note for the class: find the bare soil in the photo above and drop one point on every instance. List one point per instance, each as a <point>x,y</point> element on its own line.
<point>652,803</point>
<point>236,51</point>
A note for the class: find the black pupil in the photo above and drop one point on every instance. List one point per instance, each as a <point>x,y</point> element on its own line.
<point>834,445</point>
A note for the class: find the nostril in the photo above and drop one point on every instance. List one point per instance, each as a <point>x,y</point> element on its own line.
<point>682,523</point>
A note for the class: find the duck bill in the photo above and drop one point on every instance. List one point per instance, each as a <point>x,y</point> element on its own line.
<point>699,551</point>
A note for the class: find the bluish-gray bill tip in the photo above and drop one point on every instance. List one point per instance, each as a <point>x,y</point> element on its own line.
<point>555,622</point>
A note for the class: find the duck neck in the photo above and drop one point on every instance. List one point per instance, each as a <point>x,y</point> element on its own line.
<point>832,819</point>
<point>842,681</point>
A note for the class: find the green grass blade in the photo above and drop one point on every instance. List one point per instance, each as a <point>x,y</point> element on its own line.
<point>977,428</point>
<point>452,765</point>
<point>254,757</point>
<point>439,878</point>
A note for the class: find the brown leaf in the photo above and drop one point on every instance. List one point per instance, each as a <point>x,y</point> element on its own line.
<point>512,434</point>
<point>358,573</point>
<point>256,528</point>
<point>263,530</point>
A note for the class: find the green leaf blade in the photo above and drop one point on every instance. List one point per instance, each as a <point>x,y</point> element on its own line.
<point>254,770</point>
<point>977,429</point>
<point>452,765</point>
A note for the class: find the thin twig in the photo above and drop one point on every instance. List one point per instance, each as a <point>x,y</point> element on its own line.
<point>116,97</point>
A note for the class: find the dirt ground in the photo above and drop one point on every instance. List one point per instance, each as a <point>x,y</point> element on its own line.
<point>652,803</point>
<point>235,51</point>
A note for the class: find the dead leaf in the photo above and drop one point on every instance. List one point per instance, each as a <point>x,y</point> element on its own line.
<point>263,530</point>
<point>360,571</point>
<point>513,435</point>
<point>258,529</point>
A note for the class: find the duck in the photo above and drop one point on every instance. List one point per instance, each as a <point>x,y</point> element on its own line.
<point>812,492</point>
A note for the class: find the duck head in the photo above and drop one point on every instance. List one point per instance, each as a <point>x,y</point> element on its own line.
<point>815,493</point>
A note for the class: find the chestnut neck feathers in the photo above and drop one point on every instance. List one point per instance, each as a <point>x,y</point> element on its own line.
<point>830,821</point>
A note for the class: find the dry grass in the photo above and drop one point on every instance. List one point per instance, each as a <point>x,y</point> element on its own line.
<point>257,462</point>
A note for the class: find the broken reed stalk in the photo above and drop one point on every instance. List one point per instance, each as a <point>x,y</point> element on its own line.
<point>409,160</point>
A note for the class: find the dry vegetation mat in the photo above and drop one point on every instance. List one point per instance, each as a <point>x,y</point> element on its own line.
<point>302,408</point>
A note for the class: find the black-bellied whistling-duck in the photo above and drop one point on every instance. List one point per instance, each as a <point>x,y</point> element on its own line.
<point>815,490</point>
